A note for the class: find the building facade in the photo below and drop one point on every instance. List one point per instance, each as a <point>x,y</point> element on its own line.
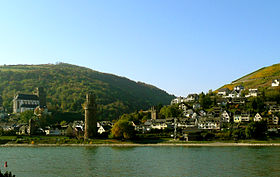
<point>24,102</point>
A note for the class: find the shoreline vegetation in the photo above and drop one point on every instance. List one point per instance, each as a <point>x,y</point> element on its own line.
<point>62,141</point>
<point>190,144</point>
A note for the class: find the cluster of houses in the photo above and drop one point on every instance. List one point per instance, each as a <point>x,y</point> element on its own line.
<point>193,116</point>
<point>75,128</point>
<point>202,120</point>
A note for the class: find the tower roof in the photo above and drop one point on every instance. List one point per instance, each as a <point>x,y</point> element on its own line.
<point>26,97</point>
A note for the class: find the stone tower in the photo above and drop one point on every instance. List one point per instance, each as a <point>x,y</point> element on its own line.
<point>153,113</point>
<point>42,96</point>
<point>90,117</point>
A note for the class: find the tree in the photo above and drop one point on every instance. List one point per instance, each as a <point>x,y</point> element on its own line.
<point>205,100</point>
<point>256,130</point>
<point>69,131</point>
<point>170,111</point>
<point>26,115</point>
<point>122,129</point>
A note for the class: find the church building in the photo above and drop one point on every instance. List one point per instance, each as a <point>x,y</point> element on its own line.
<point>23,102</point>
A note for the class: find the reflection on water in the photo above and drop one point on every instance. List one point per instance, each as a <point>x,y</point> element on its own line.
<point>142,161</point>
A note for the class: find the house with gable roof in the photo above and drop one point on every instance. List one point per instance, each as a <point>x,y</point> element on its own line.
<point>223,92</point>
<point>275,83</point>
<point>257,117</point>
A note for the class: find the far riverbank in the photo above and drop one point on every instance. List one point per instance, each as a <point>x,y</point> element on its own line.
<point>215,144</point>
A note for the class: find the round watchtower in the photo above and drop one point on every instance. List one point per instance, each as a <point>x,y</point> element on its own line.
<point>90,117</point>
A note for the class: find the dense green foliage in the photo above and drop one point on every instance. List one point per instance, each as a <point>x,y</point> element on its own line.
<point>170,111</point>
<point>137,117</point>
<point>66,86</point>
<point>256,130</point>
<point>122,129</point>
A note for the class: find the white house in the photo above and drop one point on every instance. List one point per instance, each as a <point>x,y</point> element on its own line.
<point>209,123</point>
<point>234,94</point>
<point>275,83</point>
<point>243,117</point>
<point>238,88</point>
<point>184,108</point>
<point>257,117</point>
<point>192,97</point>
<point>178,100</point>
<point>104,128</point>
<point>223,92</point>
<point>225,117</point>
<point>252,93</point>
<point>159,124</point>
<point>273,120</point>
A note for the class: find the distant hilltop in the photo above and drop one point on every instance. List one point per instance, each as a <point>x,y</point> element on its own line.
<point>262,78</point>
<point>66,86</point>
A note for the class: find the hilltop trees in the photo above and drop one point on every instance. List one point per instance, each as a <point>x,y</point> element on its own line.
<point>66,91</point>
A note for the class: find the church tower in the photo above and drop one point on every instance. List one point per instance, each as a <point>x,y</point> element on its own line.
<point>40,92</point>
<point>153,113</point>
<point>90,117</point>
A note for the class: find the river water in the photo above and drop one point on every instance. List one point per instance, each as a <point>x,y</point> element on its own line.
<point>141,161</point>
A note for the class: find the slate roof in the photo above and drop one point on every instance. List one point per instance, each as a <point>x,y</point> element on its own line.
<point>28,106</point>
<point>26,97</point>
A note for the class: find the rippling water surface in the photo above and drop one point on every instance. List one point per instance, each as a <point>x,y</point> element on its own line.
<point>141,161</point>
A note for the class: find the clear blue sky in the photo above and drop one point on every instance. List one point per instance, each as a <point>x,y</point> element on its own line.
<point>179,46</point>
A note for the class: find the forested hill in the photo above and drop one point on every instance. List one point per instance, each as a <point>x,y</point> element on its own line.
<point>261,78</point>
<point>66,86</point>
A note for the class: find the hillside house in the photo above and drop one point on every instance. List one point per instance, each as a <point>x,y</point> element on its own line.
<point>196,106</point>
<point>272,120</point>
<point>178,100</point>
<point>257,117</point>
<point>225,117</point>
<point>238,88</point>
<point>192,97</point>
<point>252,93</point>
<point>275,83</point>
<point>241,100</point>
<point>184,108</point>
<point>159,124</point>
<point>274,109</point>
<point>222,101</point>
<point>243,117</point>
<point>234,94</point>
<point>104,129</point>
<point>209,123</point>
<point>237,118</point>
<point>223,92</point>
<point>202,113</point>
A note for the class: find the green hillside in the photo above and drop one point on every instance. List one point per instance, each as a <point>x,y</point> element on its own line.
<point>261,78</point>
<point>66,86</point>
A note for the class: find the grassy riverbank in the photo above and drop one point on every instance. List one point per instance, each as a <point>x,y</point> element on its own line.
<point>63,140</point>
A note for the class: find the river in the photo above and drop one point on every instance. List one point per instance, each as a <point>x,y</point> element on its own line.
<point>141,161</point>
